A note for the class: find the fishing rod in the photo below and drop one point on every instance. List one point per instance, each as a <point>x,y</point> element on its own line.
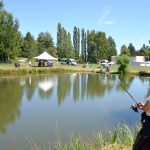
<point>133,107</point>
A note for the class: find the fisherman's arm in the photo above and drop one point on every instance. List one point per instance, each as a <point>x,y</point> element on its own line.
<point>145,107</point>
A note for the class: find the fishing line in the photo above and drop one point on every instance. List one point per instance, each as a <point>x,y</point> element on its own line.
<point>127,92</point>
<point>133,107</point>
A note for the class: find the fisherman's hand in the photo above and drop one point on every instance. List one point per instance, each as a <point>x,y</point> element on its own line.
<point>140,105</point>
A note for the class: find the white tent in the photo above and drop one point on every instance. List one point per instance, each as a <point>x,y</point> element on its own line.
<point>45,56</point>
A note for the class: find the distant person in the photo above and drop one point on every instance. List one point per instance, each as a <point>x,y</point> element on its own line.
<point>17,65</point>
<point>107,69</point>
<point>40,63</point>
<point>84,66</point>
<point>142,141</point>
<point>50,64</point>
<point>30,63</point>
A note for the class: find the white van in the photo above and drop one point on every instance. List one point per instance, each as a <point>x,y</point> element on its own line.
<point>104,63</point>
<point>64,61</point>
<point>72,62</point>
<point>68,61</point>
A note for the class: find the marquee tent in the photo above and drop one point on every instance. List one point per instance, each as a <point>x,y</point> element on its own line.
<point>45,56</point>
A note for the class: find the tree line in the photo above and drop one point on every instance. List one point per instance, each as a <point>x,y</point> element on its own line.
<point>84,45</point>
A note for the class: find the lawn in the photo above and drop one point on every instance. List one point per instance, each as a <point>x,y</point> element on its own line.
<point>57,67</point>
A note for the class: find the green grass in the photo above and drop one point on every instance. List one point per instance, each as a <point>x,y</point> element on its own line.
<point>114,68</point>
<point>120,138</point>
<point>9,69</point>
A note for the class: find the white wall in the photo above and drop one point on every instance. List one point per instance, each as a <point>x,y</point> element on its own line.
<point>133,60</point>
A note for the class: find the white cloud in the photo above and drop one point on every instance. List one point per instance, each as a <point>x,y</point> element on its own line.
<point>104,17</point>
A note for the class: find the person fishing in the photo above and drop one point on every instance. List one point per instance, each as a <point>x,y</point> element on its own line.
<point>142,141</point>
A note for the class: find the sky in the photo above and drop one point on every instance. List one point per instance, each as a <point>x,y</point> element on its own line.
<point>126,21</point>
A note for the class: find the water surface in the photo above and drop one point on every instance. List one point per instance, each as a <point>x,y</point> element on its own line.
<point>34,107</point>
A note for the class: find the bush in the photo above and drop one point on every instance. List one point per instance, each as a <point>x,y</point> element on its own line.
<point>123,62</point>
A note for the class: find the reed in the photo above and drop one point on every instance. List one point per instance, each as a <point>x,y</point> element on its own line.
<point>119,138</point>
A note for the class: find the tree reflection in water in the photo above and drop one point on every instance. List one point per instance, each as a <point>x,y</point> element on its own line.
<point>76,86</point>
<point>10,100</point>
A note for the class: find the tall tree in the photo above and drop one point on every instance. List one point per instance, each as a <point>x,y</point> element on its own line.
<point>45,43</point>
<point>64,43</point>
<point>131,49</point>
<point>88,45</point>
<point>76,41</point>
<point>92,52</point>
<point>102,45</point>
<point>59,39</point>
<point>112,51</point>
<point>83,45</point>
<point>70,53</point>
<point>143,50</point>
<point>9,35</point>
<point>125,50</point>
<point>28,48</point>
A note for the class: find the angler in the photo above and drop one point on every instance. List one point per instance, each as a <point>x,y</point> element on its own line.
<point>142,141</point>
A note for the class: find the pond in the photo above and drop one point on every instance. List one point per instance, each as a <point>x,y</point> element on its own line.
<point>38,107</point>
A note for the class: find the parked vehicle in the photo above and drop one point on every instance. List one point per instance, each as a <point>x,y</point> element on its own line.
<point>72,62</point>
<point>63,61</point>
<point>105,63</point>
<point>68,61</point>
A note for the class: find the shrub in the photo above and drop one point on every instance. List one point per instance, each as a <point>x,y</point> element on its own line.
<point>123,62</point>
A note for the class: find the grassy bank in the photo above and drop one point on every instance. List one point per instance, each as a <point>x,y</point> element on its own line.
<point>41,70</point>
<point>10,69</point>
<point>57,68</point>
<point>120,138</point>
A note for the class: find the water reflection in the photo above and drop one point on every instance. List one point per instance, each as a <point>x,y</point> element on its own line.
<point>124,82</point>
<point>29,86</point>
<point>61,87</point>
<point>10,100</point>
<point>146,84</point>
<point>99,85</point>
<point>46,85</point>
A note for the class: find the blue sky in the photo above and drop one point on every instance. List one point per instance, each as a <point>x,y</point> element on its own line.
<point>125,20</point>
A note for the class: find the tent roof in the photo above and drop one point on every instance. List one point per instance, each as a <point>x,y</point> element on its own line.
<point>45,56</point>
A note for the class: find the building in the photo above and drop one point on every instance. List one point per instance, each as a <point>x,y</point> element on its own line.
<point>134,61</point>
<point>137,60</point>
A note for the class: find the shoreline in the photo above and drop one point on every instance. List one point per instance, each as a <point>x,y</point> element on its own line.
<point>44,70</point>
<point>65,69</point>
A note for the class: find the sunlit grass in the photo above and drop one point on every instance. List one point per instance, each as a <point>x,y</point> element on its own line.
<point>59,68</point>
<point>120,138</point>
